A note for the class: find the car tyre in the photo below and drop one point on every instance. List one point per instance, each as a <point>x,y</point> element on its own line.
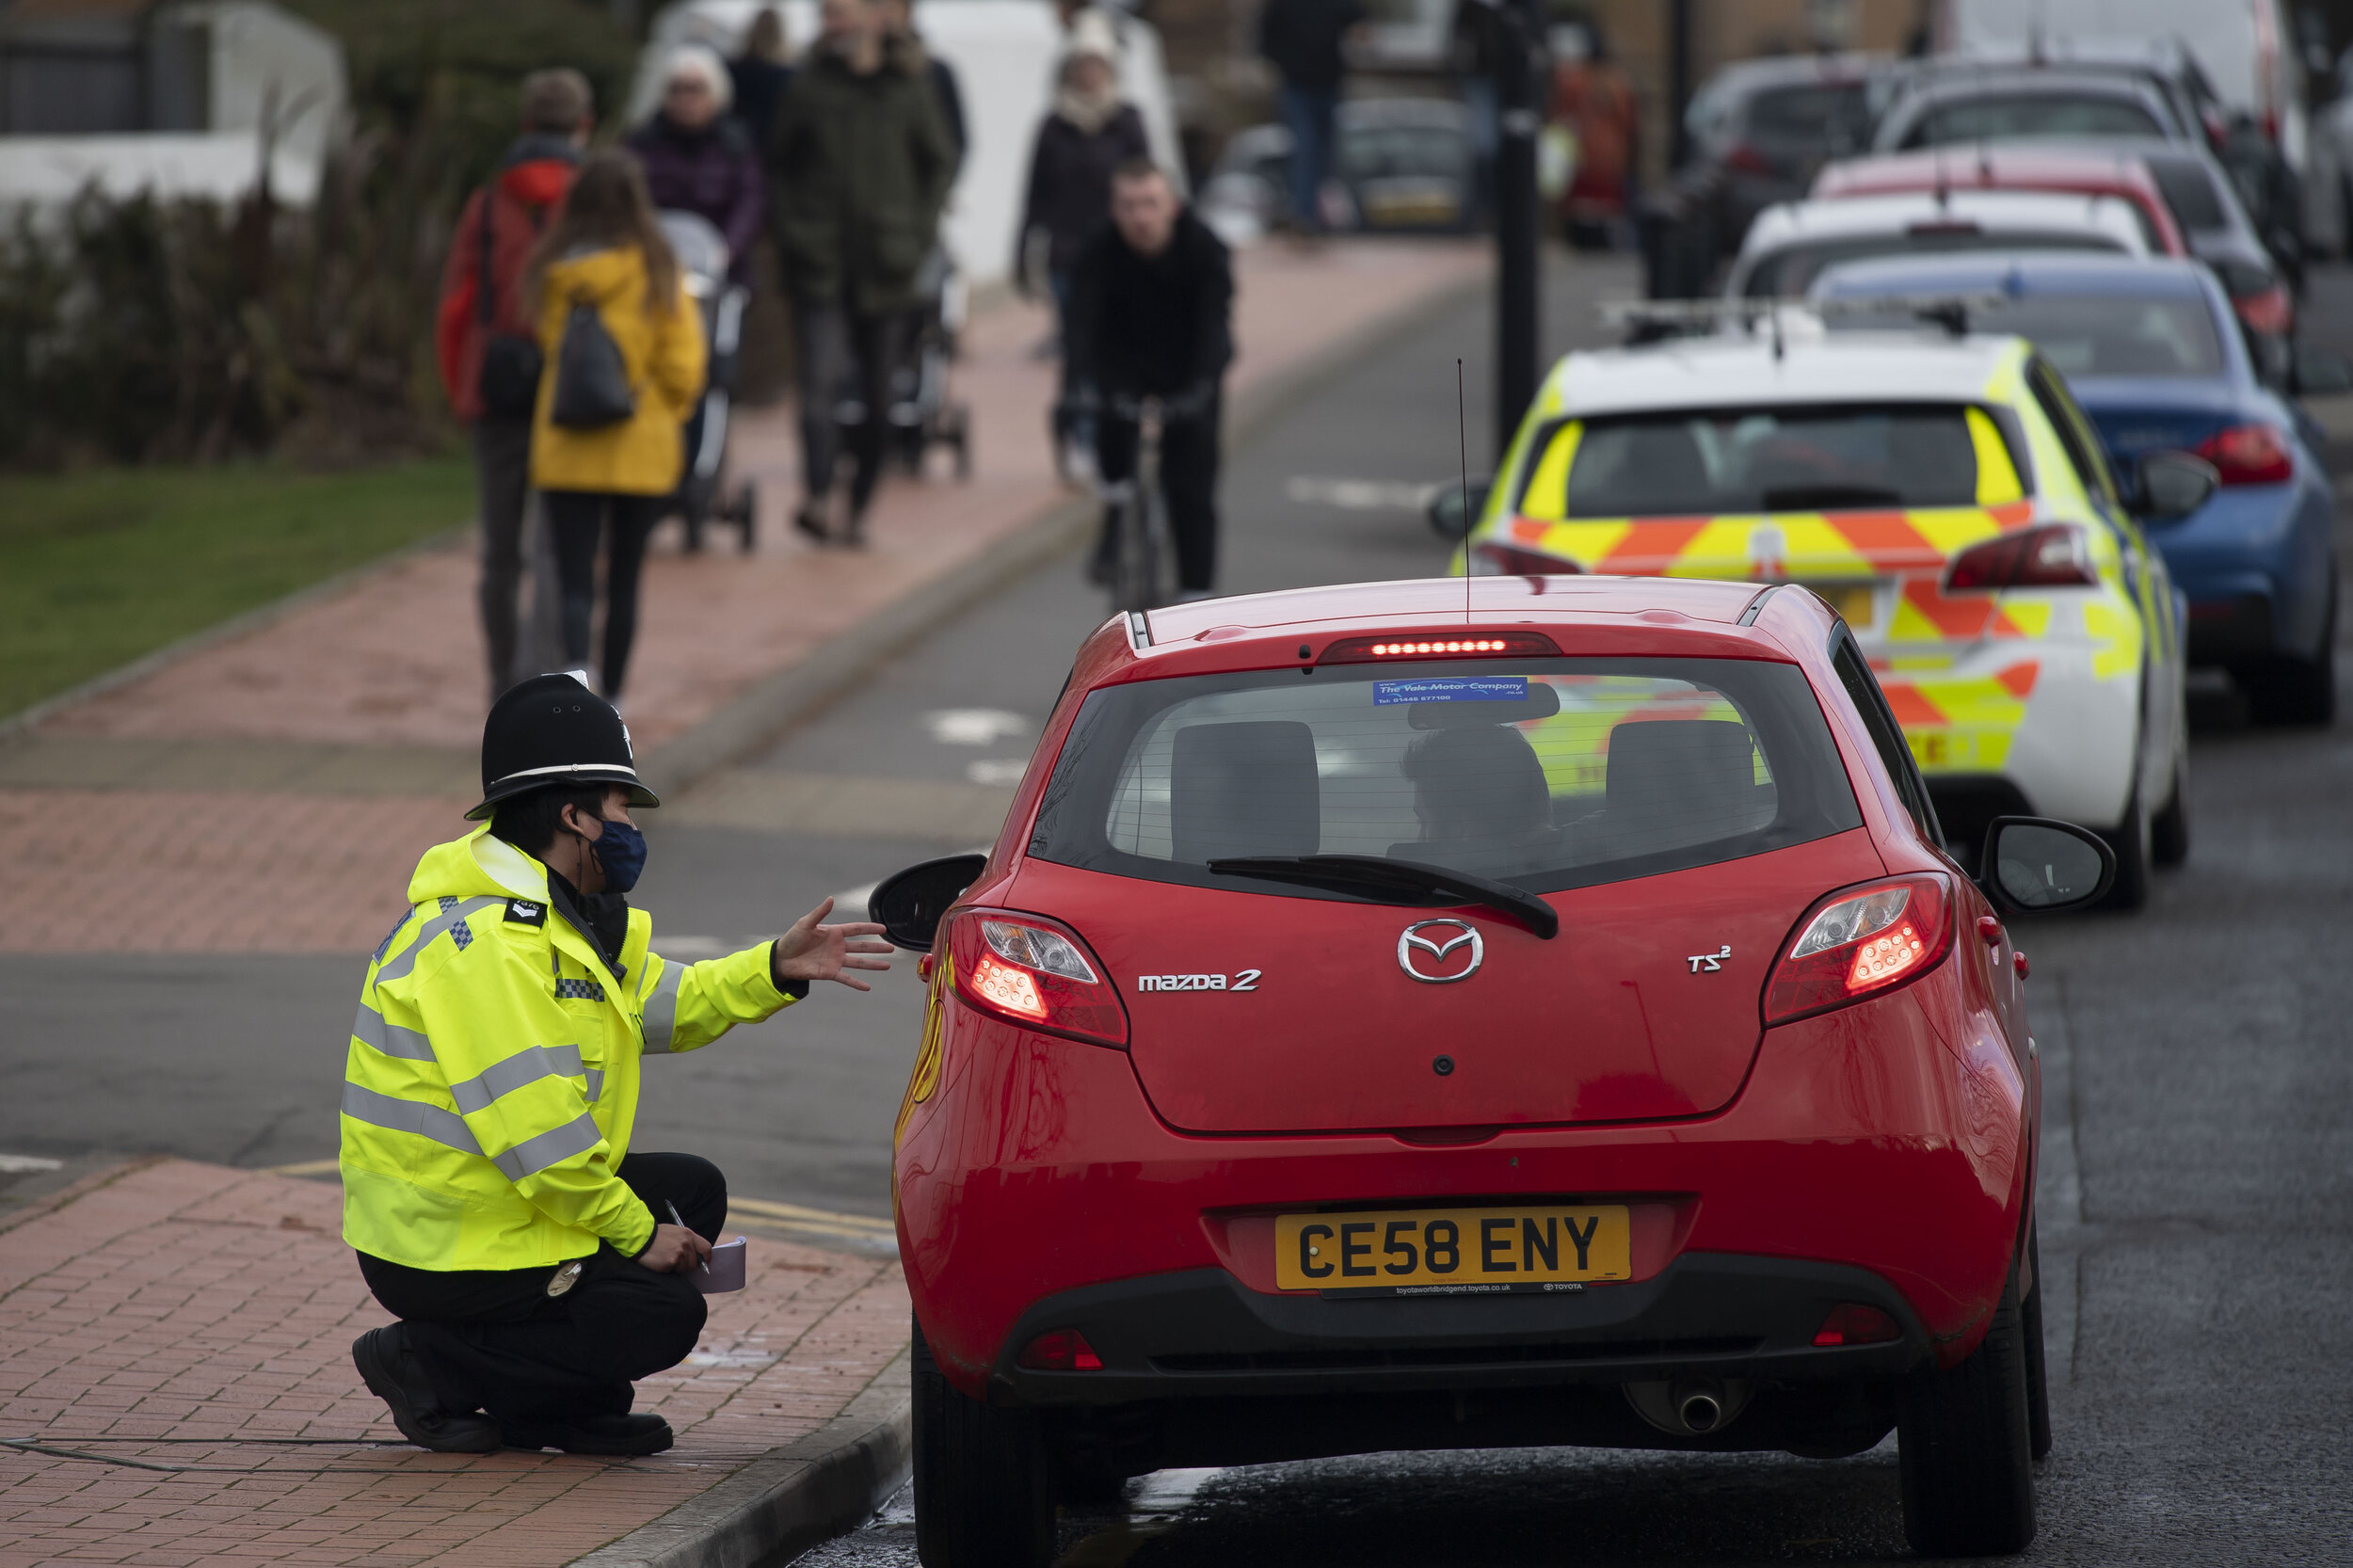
<point>2038,1390</point>
<point>2134,851</point>
<point>1966,1447</point>
<point>2288,691</point>
<point>984,1491</point>
<point>2168,830</point>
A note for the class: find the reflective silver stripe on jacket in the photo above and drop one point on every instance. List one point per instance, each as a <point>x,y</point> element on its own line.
<point>504,1078</point>
<point>370,1029</point>
<point>399,1115</point>
<point>405,960</point>
<point>596,1084</point>
<point>534,1155</point>
<point>660,1014</point>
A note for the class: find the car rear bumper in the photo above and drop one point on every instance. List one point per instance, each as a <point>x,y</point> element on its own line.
<point>1200,1333</point>
<point>2234,627</point>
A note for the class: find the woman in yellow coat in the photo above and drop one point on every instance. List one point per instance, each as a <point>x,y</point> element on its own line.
<point>604,263</point>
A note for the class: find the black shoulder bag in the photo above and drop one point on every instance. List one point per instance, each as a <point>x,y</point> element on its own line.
<point>509,380</point>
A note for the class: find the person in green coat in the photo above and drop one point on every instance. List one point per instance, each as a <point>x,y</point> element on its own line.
<point>861,161</point>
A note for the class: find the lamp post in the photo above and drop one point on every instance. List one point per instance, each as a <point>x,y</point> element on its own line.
<point>1518,325</point>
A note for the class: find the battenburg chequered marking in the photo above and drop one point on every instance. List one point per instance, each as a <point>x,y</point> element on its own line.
<point>586,990</point>
<point>462,935</point>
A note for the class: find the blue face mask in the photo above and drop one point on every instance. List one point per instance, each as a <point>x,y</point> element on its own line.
<point>620,849</point>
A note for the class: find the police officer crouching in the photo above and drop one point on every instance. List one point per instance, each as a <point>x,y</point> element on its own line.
<point>491,1086</point>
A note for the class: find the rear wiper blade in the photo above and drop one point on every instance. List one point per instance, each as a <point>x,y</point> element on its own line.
<point>1383,881</point>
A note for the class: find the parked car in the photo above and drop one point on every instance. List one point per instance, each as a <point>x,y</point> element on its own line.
<point>2164,63</point>
<point>1402,164</point>
<point>1790,244</point>
<point>1379,1026</point>
<point>2149,351</point>
<point>1944,493</point>
<point>1760,129</point>
<point>2004,105</point>
<point>2185,203</point>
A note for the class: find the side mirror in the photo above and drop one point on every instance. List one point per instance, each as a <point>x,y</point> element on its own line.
<point>2319,373</point>
<point>2173,483</point>
<point>907,904</point>
<point>2033,865</point>
<point>1452,511</point>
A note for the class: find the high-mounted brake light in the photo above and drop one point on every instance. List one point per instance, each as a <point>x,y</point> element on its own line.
<point>1489,558</point>
<point>2054,555</point>
<point>2249,454</point>
<point>1035,972</point>
<point>1861,942</point>
<point>1440,644</point>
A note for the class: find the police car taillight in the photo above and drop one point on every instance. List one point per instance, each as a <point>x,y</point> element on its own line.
<point>1489,558</point>
<point>1035,972</point>
<point>1859,942</point>
<point>2051,556</point>
<point>1440,644</point>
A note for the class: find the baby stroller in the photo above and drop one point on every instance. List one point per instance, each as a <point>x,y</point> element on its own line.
<point>923,414</point>
<point>702,255</point>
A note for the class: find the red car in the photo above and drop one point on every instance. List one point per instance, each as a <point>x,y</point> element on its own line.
<point>1396,1020</point>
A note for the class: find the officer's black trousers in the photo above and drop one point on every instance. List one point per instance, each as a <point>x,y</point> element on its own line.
<point>494,1340</point>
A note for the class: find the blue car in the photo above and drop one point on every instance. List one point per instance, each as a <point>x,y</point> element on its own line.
<point>2154,354</point>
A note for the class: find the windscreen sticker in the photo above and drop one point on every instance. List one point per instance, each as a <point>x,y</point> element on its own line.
<point>1452,688</point>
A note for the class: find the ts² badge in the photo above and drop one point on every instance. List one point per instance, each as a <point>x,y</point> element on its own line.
<point>1431,959</point>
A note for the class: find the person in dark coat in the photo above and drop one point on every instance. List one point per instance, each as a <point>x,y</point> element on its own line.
<point>699,159</point>
<point>1090,132</point>
<point>760,74</point>
<point>1302,39</point>
<point>861,162</point>
<point>899,17</point>
<point>1151,315</point>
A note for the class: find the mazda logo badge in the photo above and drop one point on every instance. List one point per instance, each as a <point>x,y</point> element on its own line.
<point>1439,948</point>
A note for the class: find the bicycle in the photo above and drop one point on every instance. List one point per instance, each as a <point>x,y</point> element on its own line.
<point>1141,542</point>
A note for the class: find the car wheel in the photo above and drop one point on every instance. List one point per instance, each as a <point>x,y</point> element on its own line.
<point>1966,1447</point>
<point>2298,691</point>
<point>984,1497</point>
<point>2038,1390</point>
<point>2168,830</point>
<point>2134,853</point>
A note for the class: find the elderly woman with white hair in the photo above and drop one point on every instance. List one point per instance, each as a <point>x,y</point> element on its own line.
<point>700,159</point>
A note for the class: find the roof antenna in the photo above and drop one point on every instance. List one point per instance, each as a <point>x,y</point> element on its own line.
<point>1985,163</point>
<point>1944,183</point>
<point>1462,436</point>
<point>1773,310</point>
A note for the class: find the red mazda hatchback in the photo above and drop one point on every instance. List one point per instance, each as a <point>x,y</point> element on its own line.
<point>1394,1021</point>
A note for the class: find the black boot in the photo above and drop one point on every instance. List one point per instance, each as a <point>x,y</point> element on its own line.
<point>389,1366</point>
<point>625,1436</point>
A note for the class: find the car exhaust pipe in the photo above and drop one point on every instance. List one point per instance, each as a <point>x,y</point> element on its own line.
<point>1689,1407</point>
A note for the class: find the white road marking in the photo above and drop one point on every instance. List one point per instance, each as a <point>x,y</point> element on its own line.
<point>1359,495</point>
<point>19,1164</point>
<point>1003,772</point>
<point>975,727</point>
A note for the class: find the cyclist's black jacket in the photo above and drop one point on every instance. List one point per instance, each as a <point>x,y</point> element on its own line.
<point>1160,325</point>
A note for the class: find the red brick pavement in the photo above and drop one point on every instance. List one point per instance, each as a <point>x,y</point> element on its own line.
<point>194,1302</point>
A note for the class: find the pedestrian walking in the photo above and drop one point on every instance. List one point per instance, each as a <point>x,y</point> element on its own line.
<point>624,345</point>
<point>898,16</point>
<point>486,341</point>
<point>860,166</point>
<point>1592,98</point>
<point>699,158</point>
<point>760,74</point>
<point>1304,40</point>
<point>1151,315</point>
<point>1090,132</point>
<point>491,1088</point>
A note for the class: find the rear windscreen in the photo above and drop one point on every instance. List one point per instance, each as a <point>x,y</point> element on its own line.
<point>1548,773</point>
<point>1789,272</point>
<point>2104,334</point>
<point>1815,116</point>
<point>1708,463</point>
<point>2189,191</point>
<point>2032,115</point>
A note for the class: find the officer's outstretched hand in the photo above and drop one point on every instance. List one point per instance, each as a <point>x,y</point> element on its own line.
<point>674,1250</point>
<point>811,951</point>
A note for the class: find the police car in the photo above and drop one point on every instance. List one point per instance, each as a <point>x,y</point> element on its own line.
<point>1944,492</point>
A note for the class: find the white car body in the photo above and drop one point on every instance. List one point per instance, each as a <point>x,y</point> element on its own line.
<point>2033,219</point>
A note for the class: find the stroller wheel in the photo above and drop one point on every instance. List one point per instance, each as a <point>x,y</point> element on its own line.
<point>743,511</point>
<point>694,535</point>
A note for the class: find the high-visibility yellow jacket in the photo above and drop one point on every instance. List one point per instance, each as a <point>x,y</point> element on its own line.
<point>491,1082</point>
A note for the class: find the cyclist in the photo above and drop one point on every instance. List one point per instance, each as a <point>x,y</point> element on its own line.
<point>1151,306</point>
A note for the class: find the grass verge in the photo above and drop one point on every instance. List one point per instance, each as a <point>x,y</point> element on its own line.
<point>99,567</point>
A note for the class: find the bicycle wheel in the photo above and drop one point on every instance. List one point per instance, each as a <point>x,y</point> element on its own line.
<point>1134,573</point>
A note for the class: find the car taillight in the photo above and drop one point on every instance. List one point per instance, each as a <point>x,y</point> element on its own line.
<point>1035,972</point>
<point>1065,1349</point>
<point>2270,310</point>
<point>1748,160</point>
<point>2249,454</point>
<point>2051,556</point>
<point>1490,559</point>
<point>1440,644</point>
<point>1861,942</point>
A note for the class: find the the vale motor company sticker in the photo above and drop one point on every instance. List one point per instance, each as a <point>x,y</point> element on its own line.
<point>1452,688</point>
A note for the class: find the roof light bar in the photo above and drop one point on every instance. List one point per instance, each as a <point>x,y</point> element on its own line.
<point>1952,311</point>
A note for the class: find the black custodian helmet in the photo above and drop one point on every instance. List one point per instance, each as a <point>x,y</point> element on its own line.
<point>551,729</point>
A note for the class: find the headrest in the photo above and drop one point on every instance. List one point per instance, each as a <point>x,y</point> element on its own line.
<point>1688,773</point>
<point>1244,789</point>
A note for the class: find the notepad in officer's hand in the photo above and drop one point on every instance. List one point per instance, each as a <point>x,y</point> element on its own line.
<point>725,1270</point>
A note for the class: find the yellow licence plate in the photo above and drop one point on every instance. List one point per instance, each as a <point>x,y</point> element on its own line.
<point>1853,601</point>
<point>1446,1251</point>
